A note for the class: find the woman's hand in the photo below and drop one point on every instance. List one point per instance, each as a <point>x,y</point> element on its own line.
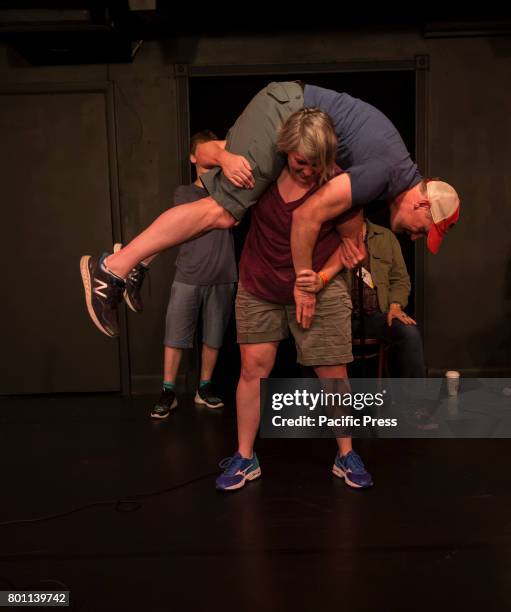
<point>237,170</point>
<point>310,281</point>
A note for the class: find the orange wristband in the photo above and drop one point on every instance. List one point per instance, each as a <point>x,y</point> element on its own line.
<point>324,278</point>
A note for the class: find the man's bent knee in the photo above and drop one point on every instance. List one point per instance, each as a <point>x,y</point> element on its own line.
<point>406,333</point>
<point>218,217</point>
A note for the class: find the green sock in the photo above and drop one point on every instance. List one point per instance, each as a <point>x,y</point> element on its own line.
<point>169,385</point>
<point>203,383</point>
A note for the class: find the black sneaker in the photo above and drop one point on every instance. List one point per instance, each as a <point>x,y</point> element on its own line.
<point>164,405</point>
<point>206,396</point>
<point>134,281</point>
<point>103,292</point>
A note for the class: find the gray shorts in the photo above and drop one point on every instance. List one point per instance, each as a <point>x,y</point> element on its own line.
<point>254,135</point>
<point>183,311</point>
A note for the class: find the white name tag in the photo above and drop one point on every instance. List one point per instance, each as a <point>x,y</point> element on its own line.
<point>367,278</point>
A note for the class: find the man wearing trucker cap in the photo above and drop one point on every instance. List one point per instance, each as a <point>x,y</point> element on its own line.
<point>370,150</point>
<point>440,207</point>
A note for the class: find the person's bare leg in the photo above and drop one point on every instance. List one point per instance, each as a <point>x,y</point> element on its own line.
<point>209,357</point>
<point>205,394</point>
<point>256,362</point>
<point>174,226</point>
<point>171,361</point>
<point>349,467</point>
<point>338,371</point>
<point>167,401</point>
<point>345,445</point>
<point>146,262</point>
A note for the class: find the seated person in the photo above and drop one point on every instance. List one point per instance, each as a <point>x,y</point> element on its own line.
<point>386,288</point>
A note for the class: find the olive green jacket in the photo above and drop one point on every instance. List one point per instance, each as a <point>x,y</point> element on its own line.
<point>388,268</point>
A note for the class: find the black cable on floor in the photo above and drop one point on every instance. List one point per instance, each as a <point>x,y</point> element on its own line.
<point>128,504</point>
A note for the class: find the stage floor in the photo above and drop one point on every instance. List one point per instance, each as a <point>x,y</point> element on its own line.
<point>434,531</point>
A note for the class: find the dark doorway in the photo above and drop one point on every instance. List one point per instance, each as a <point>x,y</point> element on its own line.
<point>215,103</point>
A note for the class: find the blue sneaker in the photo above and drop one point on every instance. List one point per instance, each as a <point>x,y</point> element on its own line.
<point>237,470</point>
<point>352,469</point>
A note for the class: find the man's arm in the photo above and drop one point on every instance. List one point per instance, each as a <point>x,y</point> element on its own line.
<point>309,282</point>
<point>209,153</point>
<point>313,282</point>
<point>331,200</point>
<point>350,230</point>
<point>333,265</point>
<point>351,225</point>
<point>235,167</point>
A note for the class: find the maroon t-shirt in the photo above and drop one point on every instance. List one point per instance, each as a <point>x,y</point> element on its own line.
<point>266,265</point>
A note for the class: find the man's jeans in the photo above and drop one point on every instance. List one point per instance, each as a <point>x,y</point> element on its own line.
<point>406,353</point>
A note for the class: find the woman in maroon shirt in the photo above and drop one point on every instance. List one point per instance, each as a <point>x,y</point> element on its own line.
<point>265,309</point>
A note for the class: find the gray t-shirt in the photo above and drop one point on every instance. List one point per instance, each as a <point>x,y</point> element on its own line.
<point>369,146</point>
<point>208,259</point>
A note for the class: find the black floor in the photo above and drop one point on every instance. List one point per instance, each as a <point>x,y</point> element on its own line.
<point>433,533</point>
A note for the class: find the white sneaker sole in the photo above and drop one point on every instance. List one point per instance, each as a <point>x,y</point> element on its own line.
<point>84,270</point>
<point>336,471</point>
<point>198,400</point>
<point>158,417</point>
<point>252,476</point>
<point>128,302</point>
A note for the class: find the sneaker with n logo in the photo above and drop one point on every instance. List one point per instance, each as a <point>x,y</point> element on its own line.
<point>134,281</point>
<point>103,293</point>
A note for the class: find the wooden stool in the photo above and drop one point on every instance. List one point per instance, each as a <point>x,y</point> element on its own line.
<point>378,349</point>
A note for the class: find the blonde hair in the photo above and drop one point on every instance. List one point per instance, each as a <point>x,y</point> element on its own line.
<point>310,132</point>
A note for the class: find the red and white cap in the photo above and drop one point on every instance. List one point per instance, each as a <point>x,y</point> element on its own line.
<point>445,210</point>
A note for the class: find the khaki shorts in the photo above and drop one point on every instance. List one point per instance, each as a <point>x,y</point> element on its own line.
<point>254,135</point>
<point>327,342</point>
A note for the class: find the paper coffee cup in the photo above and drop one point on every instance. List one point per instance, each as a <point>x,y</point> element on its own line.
<point>453,382</point>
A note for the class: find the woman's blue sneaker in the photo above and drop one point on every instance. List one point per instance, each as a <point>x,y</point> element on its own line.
<point>237,470</point>
<point>352,469</point>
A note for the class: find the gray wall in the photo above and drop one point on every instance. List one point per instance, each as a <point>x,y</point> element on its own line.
<point>467,287</point>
